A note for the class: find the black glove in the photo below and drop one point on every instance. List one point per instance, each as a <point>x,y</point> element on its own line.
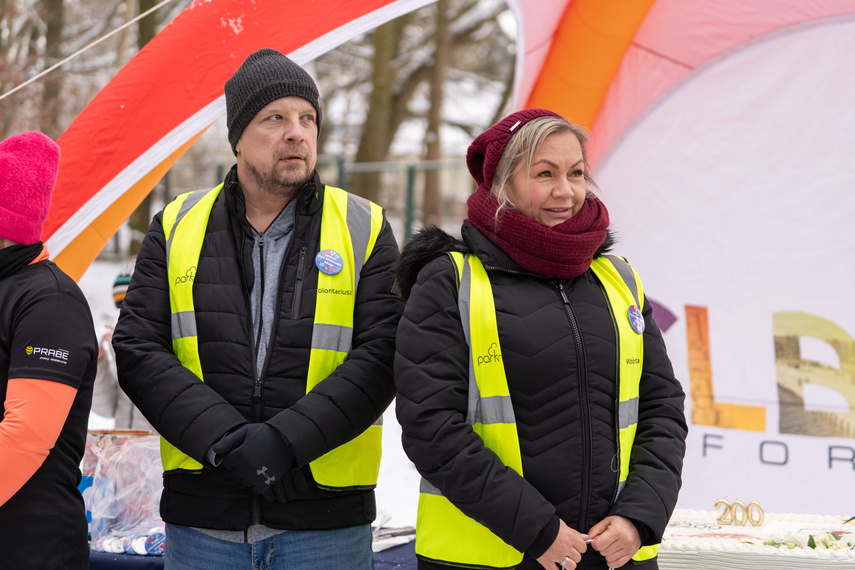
<point>256,455</point>
<point>287,487</point>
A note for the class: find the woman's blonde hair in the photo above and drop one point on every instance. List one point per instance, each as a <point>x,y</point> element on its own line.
<point>521,148</point>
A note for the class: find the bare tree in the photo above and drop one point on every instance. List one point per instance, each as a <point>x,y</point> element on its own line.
<point>396,65</point>
<point>432,208</point>
<point>35,35</point>
<point>372,85</point>
<point>19,33</point>
<point>140,218</point>
<point>53,15</point>
<point>380,121</point>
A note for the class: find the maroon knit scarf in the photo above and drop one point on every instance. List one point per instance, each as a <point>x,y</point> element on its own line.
<point>563,251</point>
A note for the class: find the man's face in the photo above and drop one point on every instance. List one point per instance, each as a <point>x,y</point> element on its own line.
<point>278,150</point>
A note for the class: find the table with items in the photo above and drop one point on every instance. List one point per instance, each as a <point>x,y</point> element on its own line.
<point>121,485</point>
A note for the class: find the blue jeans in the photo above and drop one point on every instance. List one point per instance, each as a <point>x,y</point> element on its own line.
<point>189,549</point>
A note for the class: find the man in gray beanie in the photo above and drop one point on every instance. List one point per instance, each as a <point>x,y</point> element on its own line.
<point>257,336</point>
<point>266,75</point>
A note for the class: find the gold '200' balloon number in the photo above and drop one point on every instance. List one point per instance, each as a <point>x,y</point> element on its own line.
<point>739,513</point>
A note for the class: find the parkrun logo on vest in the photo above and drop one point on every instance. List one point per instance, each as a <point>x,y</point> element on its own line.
<point>52,354</point>
<point>188,277</point>
<point>493,355</point>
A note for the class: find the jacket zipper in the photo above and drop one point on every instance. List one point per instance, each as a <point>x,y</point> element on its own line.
<point>274,326</point>
<point>257,406</point>
<point>256,394</point>
<point>255,513</point>
<point>585,408</point>
<point>584,404</point>
<point>298,287</point>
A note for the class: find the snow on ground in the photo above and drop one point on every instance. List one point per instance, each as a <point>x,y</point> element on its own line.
<point>398,485</point>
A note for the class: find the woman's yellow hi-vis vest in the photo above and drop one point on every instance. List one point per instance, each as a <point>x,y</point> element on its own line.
<point>443,532</point>
<point>349,226</point>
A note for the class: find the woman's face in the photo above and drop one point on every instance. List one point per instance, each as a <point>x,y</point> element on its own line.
<point>553,189</point>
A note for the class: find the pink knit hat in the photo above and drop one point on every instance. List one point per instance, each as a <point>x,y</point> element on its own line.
<point>484,153</point>
<point>29,163</point>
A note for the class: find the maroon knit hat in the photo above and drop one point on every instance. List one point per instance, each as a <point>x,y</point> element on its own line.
<point>29,163</point>
<point>487,148</point>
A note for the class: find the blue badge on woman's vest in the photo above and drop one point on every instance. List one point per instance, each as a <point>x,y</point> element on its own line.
<point>329,261</point>
<point>636,319</point>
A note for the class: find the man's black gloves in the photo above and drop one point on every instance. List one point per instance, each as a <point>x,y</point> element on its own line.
<point>260,458</point>
<point>287,487</point>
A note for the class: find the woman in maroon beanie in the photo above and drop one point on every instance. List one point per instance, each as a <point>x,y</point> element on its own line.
<point>535,394</point>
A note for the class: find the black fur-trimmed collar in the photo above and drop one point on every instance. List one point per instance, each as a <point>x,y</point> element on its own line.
<point>424,246</point>
<point>431,242</point>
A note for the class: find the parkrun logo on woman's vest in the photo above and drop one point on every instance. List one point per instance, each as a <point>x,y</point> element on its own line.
<point>188,277</point>
<point>493,356</point>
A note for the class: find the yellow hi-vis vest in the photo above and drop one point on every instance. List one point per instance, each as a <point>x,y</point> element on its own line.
<point>443,532</point>
<point>349,226</point>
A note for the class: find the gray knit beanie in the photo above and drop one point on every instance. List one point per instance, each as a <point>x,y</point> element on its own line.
<point>265,76</point>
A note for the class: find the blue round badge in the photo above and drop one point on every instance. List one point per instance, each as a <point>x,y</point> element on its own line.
<point>329,261</point>
<point>636,319</point>
<point>155,544</point>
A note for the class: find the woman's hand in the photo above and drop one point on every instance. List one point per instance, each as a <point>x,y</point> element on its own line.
<point>616,538</point>
<point>568,544</point>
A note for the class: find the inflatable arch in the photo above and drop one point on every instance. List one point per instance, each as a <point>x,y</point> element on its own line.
<point>722,141</point>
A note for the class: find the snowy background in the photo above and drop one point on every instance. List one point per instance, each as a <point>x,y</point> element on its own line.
<point>398,486</point>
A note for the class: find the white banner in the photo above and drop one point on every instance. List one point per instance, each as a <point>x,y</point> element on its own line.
<point>734,199</point>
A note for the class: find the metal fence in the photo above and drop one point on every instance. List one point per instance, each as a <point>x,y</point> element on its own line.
<point>401,191</point>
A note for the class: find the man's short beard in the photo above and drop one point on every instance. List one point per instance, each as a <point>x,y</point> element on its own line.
<point>285,187</point>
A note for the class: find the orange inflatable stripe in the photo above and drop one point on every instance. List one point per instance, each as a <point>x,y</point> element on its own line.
<point>585,54</point>
<point>82,251</point>
<point>177,77</point>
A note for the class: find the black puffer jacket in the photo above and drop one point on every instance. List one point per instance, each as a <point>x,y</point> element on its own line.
<point>43,525</point>
<point>193,415</point>
<point>566,424</point>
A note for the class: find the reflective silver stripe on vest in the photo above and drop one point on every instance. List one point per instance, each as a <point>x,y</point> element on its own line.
<point>492,409</point>
<point>335,337</point>
<point>332,337</point>
<point>359,226</point>
<point>627,275</point>
<point>463,293</point>
<point>183,325</point>
<point>186,206</point>
<point>620,486</point>
<point>426,487</point>
<point>627,413</point>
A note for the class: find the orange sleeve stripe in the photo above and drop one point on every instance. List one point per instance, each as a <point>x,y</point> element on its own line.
<point>36,410</point>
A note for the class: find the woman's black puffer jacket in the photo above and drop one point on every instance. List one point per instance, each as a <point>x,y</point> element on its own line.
<point>566,420</point>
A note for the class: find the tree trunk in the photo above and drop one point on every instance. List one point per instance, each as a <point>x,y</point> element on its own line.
<point>54,18</point>
<point>432,208</point>
<point>147,27</point>
<point>141,217</point>
<point>377,133</point>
